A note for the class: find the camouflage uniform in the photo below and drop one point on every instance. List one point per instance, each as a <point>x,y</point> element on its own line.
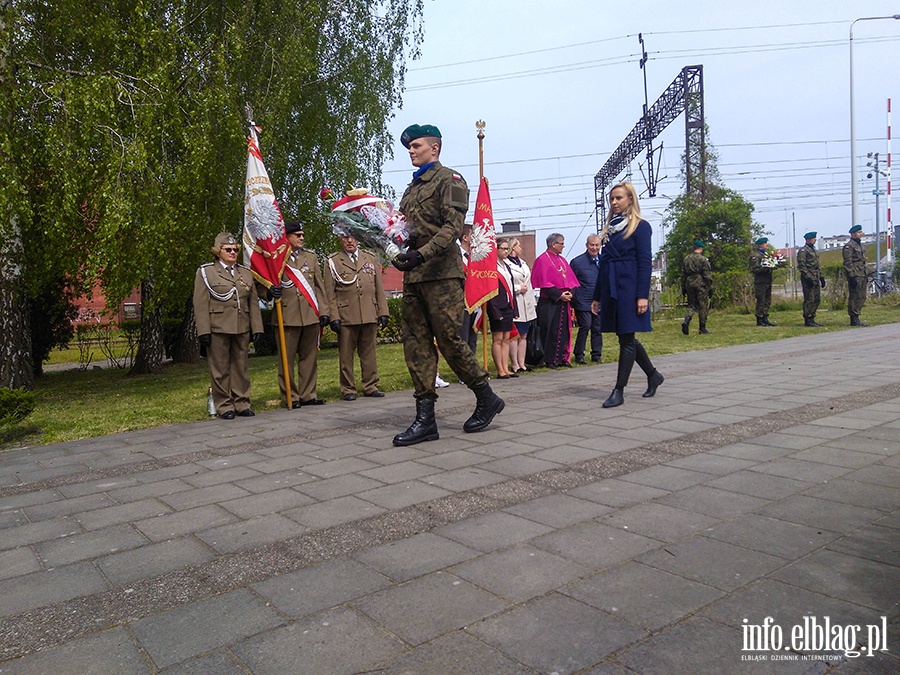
<point>435,206</point>
<point>696,283</point>
<point>762,283</point>
<point>855,270</point>
<point>810,280</point>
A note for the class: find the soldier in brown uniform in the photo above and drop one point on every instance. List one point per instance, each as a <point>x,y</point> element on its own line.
<point>435,205</point>
<point>354,287</point>
<point>811,279</point>
<point>855,270</point>
<point>696,284</point>
<point>762,283</point>
<point>305,308</point>
<point>226,309</point>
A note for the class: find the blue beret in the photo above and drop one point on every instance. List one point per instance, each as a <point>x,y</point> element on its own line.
<point>414,131</point>
<point>810,235</point>
<point>761,240</point>
<point>855,228</point>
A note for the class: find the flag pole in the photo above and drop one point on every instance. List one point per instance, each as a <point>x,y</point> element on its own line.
<point>248,111</point>
<point>283,350</point>
<point>484,317</point>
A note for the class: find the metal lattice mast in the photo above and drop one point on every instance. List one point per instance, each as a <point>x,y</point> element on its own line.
<point>685,93</point>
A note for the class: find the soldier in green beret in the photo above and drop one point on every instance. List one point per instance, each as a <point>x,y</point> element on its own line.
<point>435,205</point>
<point>855,270</point>
<point>762,282</point>
<point>811,279</point>
<point>696,284</point>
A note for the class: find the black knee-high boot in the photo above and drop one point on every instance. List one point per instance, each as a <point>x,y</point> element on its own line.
<point>654,377</point>
<point>626,363</point>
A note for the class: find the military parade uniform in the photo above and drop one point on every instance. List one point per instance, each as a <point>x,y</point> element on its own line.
<point>301,308</point>
<point>696,284</point>
<point>435,205</point>
<point>854,254</point>
<point>356,294</point>
<point>226,308</point>
<point>762,284</point>
<point>811,280</point>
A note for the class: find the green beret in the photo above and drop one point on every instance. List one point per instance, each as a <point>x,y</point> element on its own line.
<point>414,131</point>
<point>810,235</point>
<point>761,240</point>
<point>855,228</point>
<point>698,243</point>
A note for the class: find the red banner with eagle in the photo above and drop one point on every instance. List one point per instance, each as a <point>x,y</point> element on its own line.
<point>265,244</point>
<point>482,281</point>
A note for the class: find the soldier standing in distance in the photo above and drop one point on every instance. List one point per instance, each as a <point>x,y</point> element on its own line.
<point>435,205</point>
<point>855,270</point>
<point>762,282</point>
<point>226,309</point>
<point>811,279</point>
<point>355,291</point>
<point>305,309</point>
<point>696,284</point>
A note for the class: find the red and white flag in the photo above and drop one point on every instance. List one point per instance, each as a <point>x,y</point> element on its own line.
<point>482,283</point>
<point>265,244</point>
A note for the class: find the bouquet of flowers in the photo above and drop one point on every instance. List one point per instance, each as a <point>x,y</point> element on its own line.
<point>372,220</point>
<point>772,258</point>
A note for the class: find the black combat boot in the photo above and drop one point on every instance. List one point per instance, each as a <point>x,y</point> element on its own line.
<point>423,428</point>
<point>856,321</point>
<point>488,405</point>
<point>685,324</point>
<point>766,321</point>
<point>814,323</point>
<point>760,321</point>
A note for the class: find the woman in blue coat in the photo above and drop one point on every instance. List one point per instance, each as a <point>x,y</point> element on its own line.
<point>623,288</point>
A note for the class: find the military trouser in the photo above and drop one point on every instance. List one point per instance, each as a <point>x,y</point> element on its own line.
<point>763,292</point>
<point>432,311</point>
<point>229,371</point>
<point>857,296</point>
<point>697,301</point>
<point>360,338</point>
<point>812,296</point>
<point>302,340</point>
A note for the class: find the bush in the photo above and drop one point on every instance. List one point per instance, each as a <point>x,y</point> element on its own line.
<point>15,406</point>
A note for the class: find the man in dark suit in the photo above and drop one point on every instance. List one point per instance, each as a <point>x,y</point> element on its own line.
<point>585,267</point>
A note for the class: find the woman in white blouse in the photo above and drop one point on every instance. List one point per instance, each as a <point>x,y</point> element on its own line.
<point>525,303</point>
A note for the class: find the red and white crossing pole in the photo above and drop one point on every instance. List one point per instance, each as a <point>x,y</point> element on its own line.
<point>890,223</point>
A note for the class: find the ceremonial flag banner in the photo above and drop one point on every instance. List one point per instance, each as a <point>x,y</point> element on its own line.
<point>265,244</point>
<point>482,282</point>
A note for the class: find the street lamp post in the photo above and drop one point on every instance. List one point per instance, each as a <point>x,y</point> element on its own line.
<point>877,171</point>
<point>854,194</point>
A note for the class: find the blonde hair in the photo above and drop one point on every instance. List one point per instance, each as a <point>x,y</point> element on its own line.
<point>633,214</point>
<point>512,242</point>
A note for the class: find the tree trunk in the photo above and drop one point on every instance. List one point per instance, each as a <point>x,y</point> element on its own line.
<point>184,345</point>
<point>15,345</point>
<point>149,357</point>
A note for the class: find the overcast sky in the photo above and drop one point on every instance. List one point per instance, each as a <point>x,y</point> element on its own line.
<point>559,86</point>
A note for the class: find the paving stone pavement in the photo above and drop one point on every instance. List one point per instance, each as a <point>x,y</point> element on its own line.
<point>723,526</point>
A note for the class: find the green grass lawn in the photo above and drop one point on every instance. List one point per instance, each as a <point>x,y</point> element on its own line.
<point>74,404</point>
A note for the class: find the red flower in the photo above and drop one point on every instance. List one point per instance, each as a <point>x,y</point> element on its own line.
<point>325,194</point>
